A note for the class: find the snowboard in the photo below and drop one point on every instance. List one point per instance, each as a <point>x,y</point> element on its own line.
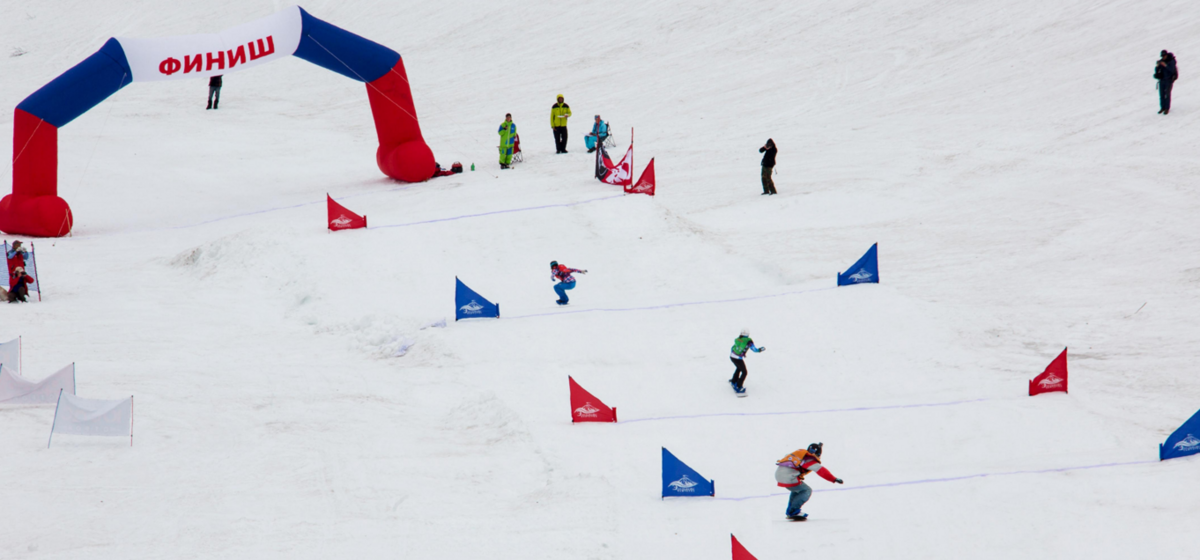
<point>740,394</point>
<point>793,518</point>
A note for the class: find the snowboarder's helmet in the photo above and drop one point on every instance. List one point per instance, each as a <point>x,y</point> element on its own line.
<point>815,448</point>
<point>745,332</point>
<point>553,264</point>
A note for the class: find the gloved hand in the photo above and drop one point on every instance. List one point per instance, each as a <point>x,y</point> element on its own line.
<point>839,481</point>
<point>762,348</point>
<point>583,272</point>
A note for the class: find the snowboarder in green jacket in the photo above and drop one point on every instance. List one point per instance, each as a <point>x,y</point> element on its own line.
<point>508,135</point>
<point>737,355</point>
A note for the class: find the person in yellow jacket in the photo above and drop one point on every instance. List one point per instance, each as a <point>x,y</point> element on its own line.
<point>559,114</point>
<point>508,136</point>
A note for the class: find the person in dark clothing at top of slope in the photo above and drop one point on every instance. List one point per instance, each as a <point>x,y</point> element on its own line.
<point>561,273</point>
<point>1166,72</point>
<point>214,90</point>
<point>768,165</point>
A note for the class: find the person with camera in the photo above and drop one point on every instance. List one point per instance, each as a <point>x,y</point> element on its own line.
<point>768,166</point>
<point>18,285</point>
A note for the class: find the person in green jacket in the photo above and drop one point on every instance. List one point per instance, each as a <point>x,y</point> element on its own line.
<point>508,135</point>
<point>737,355</point>
<point>559,114</point>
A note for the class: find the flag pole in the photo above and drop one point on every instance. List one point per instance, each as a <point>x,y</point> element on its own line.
<point>52,424</point>
<point>130,420</point>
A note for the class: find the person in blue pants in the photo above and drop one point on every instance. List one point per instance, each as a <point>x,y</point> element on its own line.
<point>561,273</point>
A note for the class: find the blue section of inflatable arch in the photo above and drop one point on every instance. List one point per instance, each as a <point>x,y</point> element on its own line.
<point>341,51</point>
<point>470,305</point>
<point>82,87</point>
<point>679,479</point>
<point>865,271</point>
<point>1185,441</point>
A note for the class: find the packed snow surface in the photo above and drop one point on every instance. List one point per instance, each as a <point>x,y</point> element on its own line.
<point>295,399</point>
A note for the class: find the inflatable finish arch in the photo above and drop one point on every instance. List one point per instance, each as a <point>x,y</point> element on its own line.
<point>34,207</point>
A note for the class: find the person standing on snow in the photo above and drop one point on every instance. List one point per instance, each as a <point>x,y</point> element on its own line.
<point>508,136</point>
<point>768,165</point>
<point>790,471</point>
<point>214,89</point>
<point>1166,72</point>
<point>737,355</point>
<point>559,114</point>
<point>562,274</point>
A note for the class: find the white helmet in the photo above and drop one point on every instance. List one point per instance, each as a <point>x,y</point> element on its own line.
<point>745,332</point>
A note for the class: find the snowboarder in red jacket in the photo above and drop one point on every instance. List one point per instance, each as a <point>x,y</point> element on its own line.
<point>561,273</point>
<point>790,473</point>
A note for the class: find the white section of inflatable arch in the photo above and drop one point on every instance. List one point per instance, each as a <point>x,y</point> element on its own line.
<point>147,57</point>
<point>15,389</point>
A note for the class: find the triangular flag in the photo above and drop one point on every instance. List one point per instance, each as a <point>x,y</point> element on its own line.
<point>471,305</point>
<point>1053,379</point>
<point>645,183</point>
<point>739,551</point>
<point>587,408</point>
<point>1183,442</point>
<point>679,479</point>
<point>621,173</point>
<point>865,271</point>
<point>341,218</point>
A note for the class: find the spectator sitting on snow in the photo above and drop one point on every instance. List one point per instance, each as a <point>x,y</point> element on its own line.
<point>598,135</point>
<point>18,285</point>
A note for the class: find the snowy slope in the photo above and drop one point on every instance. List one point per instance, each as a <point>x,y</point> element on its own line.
<point>1005,155</point>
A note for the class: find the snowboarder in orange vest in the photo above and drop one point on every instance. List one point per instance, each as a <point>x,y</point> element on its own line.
<point>790,473</point>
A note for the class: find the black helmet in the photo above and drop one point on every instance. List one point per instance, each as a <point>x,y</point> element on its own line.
<point>815,449</point>
<point>553,264</point>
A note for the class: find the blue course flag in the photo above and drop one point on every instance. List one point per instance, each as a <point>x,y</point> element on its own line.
<point>866,270</point>
<point>1182,443</point>
<point>471,305</point>
<point>679,479</point>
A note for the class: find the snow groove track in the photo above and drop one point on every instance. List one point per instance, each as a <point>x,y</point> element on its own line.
<point>788,413</point>
<point>670,305</point>
<point>948,479</point>
<point>525,209</point>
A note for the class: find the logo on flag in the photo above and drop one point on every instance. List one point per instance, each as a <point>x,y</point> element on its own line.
<point>861,276</point>
<point>1050,381</point>
<point>472,308</point>
<point>342,221</point>
<point>1188,443</point>
<point>587,410</point>
<point>684,484</point>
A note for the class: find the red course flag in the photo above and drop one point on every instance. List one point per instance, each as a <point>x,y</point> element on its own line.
<point>1053,379</point>
<point>645,183</point>
<point>587,408</point>
<point>341,218</point>
<point>739,551</point>
<point>621,173</point>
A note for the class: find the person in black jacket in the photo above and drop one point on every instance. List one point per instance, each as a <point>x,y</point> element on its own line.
<point>768,166</point>
<point>1166,73</point>
<point>214,90</point>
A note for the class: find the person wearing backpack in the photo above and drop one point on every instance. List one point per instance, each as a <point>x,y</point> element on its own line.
<point>737,355</point>
<point>1166,72</point>
<point>790,472</point>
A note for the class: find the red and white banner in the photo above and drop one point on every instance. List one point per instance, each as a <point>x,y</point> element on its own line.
<point>739,551</point>
<point>15,389</point>
<point>1052,380</point>
<point>621,173</point>
<point>587,408</point>
<point>341,218</point>
<point>645,183</point>
<point>210,54</point>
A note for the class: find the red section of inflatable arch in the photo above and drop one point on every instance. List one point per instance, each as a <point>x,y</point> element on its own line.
<point>34,207</point>
<point>403,154</point>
